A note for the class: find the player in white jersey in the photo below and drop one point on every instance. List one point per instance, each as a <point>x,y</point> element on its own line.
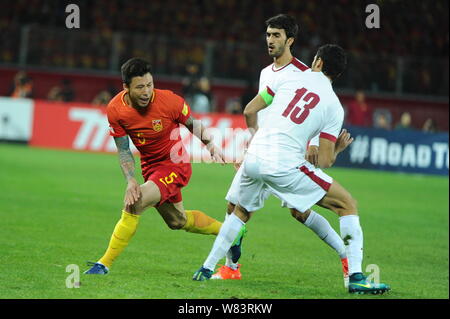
<point>281,31</point>
<point>300,107</point>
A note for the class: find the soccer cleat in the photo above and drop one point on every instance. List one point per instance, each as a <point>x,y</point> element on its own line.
<point>344,262</point>
<point>96,269</point>
<point>358,284</point>
<point>226,272</point>
<point>236,246</point>
<point>202,274</point>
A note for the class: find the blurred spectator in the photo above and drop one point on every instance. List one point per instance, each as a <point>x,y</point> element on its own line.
<point>233,106</point>
<point>429,126</point>
<point>190,82</point>
<point>358,112</point>
<point>103,97</point>
<point>22,86</point>
<point>382,118</point>
<point>201,98</point>
<point>405,122</point>
<point>63,93</point>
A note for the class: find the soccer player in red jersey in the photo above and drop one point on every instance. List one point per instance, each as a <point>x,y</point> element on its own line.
<point>151,118</point>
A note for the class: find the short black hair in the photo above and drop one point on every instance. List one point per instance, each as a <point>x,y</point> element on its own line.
<point>334,60</point>
<point>284,21</point>
<point>134,67</point>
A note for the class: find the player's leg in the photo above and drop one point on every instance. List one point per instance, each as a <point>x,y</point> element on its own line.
<point>322,228</point>
<point>299,189</point>
<point>231,268</point>
<point>339,200</point>
<point>126,227</point>
<point>251,197</point>
<point>193,221</point>
<point>228,232</point>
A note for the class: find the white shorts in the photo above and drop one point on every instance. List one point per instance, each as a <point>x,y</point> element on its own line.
<point>299,188</point>
<point>233,192</point>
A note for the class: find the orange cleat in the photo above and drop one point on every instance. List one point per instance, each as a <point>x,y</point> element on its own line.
<point>226,272</point>
<point>344,262</point>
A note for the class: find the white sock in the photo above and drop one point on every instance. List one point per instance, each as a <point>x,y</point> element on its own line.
<point>319,225</point>
<point>228,257</point>
<point>352,236</point>
<point>228,232</point>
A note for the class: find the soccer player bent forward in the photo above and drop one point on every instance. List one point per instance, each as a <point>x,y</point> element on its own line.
<point>299,109</point>
<point>151,118</point>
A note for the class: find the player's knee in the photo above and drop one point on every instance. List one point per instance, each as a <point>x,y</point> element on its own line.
<point>136,209</point>
<point>301,217</point>
<point>230,207</point>
<point>242,213</point>
<point>176,224</point>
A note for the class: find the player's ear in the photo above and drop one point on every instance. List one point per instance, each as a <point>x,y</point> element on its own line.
<point>317,64</point>
<point>125,87</point>
<point>290,41</point>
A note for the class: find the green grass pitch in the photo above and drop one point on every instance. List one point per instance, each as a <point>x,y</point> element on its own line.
<point>59,208</point>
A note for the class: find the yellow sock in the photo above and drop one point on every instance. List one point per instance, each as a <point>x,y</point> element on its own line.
<point>200,223</point>
<point>123,232</point>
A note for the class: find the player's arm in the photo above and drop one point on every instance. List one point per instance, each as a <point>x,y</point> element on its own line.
<point>329,149</point>
<point>127,164</point>
<point>251,110</point>
<point>312,152</point>
<point>197,128</point>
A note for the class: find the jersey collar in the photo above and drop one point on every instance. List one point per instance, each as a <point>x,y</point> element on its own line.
<point>281,68</point>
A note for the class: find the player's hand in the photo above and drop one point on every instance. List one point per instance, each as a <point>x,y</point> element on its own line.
<point>216,154</point>
<point>344,139</point>
<point>312,155</point>
<point>237,165</point>
<point>133,193</point>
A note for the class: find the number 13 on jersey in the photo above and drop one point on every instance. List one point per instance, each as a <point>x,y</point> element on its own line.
<point>311,99</point>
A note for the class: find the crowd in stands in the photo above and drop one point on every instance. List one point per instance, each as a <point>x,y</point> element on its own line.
<point>173,33</point>
<point>359,113</point>
<point>408,27</point>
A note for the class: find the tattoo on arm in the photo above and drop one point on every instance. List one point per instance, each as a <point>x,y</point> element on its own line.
<point>197,128</point>
<point>126,158</point>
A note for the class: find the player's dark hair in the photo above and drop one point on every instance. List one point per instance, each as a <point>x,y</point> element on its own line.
<point>334,60</point>
<point>284,21</point>
<point>134,67</point>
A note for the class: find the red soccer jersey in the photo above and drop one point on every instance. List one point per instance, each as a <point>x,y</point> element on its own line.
<point>154,130</point>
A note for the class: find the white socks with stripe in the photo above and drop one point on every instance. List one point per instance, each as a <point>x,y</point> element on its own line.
<point>352,236</point>
<point>228,232</point>
<point>319,225</point>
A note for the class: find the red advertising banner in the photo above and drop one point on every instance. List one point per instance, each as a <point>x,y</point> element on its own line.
<point>81,126</point>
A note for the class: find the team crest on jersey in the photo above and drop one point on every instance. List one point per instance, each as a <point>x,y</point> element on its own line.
<point>157,125</point>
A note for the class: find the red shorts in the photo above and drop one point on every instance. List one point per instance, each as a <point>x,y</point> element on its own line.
<point>169,178</point>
